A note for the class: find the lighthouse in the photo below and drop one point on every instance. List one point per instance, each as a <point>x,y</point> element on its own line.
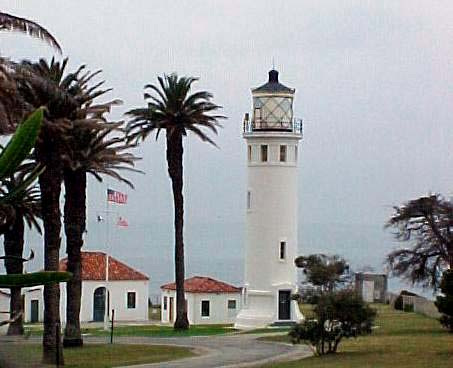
<point>272,135</point>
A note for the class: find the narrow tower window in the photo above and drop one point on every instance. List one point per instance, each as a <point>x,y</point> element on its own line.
<point>263,153</point>
<point>249,199</point>
<point>282,250</point>
<point>249,152</point>
<point>282,153</point>
<point>295,153</point>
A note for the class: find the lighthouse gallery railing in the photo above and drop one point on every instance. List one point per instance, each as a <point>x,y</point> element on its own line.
<point>293,126</point>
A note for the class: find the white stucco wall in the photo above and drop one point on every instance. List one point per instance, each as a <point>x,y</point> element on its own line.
<point>218,307</point>
<point>35,293</point>
<point>118,300</point>
<point>271,219</point>
<point>4,306</point>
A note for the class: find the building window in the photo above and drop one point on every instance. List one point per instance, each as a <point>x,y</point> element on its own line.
<point>232,304</point>
<point>165,303</point>
<point>249,199</point>
<point>131,299</point>
<point>282,250</point>
<point>249,153</point>
<point>295,153</point>
<point>282,153</point>
<point>205,308</point>
<point>263,153</point>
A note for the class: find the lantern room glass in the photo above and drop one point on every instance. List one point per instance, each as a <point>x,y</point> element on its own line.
<point>272,112</point>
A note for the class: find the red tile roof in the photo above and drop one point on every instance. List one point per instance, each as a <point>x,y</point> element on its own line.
<point>200,284</point>
<point>93,268</point>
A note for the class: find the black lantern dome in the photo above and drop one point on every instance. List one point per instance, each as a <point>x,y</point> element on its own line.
<point>273,85</point>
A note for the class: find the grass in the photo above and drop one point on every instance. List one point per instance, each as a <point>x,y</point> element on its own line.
<point>164,331</point>
<point>102,356</point>
<point>149,330</point>
<point>403,340</point>
<point>267,330</point>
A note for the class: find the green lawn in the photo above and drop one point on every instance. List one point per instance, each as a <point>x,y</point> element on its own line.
<point>150,330</point>
<point>164,331</point>
<point>102,356</point>
<point>402,340</point>
<point>267,330</point>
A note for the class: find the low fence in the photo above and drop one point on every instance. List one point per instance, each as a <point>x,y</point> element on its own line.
<point>390,298</point>
<point>418,304</point>
<point>421,305</point>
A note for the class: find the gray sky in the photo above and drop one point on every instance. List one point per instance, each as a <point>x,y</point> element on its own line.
<point>373,84</point>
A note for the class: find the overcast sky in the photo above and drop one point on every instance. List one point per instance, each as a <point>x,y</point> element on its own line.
<point>373,84</point>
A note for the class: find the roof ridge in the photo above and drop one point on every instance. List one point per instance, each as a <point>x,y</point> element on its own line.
<point>93,267</point>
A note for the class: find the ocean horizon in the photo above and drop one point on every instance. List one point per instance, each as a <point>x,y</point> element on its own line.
<point>217,249</point>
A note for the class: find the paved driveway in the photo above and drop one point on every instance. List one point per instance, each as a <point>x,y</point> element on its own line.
<point>243,350</point>
<point>234,350</point>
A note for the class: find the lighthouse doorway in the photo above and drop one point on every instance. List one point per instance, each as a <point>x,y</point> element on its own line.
<point>284,304</point>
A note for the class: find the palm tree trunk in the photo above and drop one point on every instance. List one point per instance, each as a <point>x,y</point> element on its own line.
<point>74,225</point>
<point>14,246</point>
<point>50,185</point>
<point>175,170</point>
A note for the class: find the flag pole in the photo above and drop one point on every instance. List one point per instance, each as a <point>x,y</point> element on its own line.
<point>107,223</point>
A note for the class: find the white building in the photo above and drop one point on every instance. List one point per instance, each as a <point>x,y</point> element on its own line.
<point>208,301</point>
<point>4,310</point>
<point>272,138</point>
<point>126,289</point>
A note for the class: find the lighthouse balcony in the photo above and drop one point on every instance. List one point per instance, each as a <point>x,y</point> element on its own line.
<point>292,126</point>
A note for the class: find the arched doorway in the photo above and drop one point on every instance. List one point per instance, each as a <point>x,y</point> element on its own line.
<point>99,304</point>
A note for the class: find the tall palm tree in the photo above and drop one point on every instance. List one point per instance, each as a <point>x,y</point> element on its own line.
<point>173,109</point>
<point>25,206</point>
<point>10,22</point>
<point>98,148</point>
<point>48,84</point>
<point>11,110</point>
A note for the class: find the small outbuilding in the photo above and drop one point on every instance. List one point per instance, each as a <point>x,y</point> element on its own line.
<point>208,301</point>
<point>126,291</point>
<point>371,286</point>
<point>4,305</point>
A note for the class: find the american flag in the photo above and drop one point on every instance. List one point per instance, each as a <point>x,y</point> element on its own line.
<point>116,197</point>
<point>122,222</point>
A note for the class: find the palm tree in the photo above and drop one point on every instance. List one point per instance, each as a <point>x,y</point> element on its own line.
<point>11,110</point>
<point>24,206</point>
<point>47,84</point>
<point>98,149</point>
<point>10,22</point>
<point>174,110</point>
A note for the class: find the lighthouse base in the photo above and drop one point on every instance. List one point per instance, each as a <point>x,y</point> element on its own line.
<point>264,308</point>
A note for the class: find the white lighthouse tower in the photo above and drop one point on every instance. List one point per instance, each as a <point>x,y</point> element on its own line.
<point>272,137</point>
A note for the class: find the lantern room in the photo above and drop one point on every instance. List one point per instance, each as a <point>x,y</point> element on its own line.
<point>272,107</point>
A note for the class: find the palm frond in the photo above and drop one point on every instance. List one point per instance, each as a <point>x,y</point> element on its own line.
<point>13,23</point>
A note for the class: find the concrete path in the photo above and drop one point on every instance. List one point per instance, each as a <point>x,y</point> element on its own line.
<point>238,350</point>
<point>226,351</point>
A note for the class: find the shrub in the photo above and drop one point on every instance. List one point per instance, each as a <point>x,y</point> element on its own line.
<point>409,308</point>
<point>341,314</point>
<point>444,303</point>
<point>398,305</point>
